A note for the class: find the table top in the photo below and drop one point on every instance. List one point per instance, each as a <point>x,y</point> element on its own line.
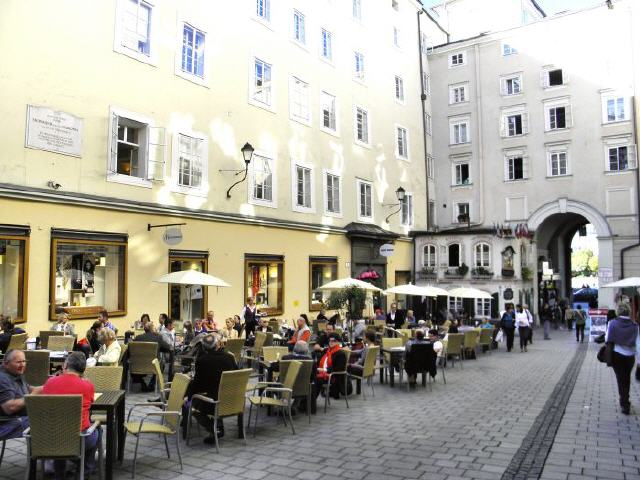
<point>392,350</point>
<point>108,399</point>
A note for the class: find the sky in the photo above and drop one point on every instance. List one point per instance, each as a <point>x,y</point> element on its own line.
<point>549,6</point>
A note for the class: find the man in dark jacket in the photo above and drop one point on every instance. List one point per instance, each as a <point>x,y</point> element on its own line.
<point>150,335</point>
<point>395,317</point>
<point>209,367</point>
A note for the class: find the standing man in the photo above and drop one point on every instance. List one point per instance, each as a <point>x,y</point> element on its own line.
<point>395,317</point>
<point>507,323</point>
<point>580,319</point>
<point>546,316</point>
<point>249,316</point>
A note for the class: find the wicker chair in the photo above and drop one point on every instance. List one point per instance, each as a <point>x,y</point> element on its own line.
<point>104,379</point>
<point>470,342</point>
<point>252,354</point>
<point>60,343</point>
<point>37,371</point>
<point>141,356</point>
<point>272,354</point>
<point>44,337</point>
<point>405,333</point>
<point>368,370</point>
<point>170,418</point>
<point>454,347</point>
<point>303,387</point>
<point>485,339</point>
<point>342,373</point>
<point>285,401</point>
<point>388,343</point>
<point>55,430</point>
<point>163,387</point>
<point>379,325</point>
<point>123,352</point>
<point>231,401</point>
<point>235,346</point>
<point>17,341</point>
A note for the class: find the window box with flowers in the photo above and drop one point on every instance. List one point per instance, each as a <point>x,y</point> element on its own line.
<point>428,273</point>
<point>456,272</point>
<point>481,273</point>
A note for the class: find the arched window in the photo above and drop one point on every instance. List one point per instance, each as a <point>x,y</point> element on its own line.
<point>482,255</point>
<point>454,252</point>
<point>429,256</point>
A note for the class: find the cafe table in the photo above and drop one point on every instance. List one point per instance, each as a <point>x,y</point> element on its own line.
<point>396,355</point>
<point>112,403</point>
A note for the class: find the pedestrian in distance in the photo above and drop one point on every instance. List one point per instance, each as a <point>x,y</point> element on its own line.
<point>507,323</point>
<point>546,315</point>
<point>580,319</point>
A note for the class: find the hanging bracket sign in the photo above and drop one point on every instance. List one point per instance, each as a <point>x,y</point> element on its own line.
<point>387,249</point>
<point>172,236</point>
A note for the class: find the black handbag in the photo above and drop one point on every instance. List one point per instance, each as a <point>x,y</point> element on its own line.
<point>605,354</point>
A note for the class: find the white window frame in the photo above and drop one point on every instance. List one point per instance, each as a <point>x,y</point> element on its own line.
<point>481,257</point>
<point>459,62</point>
<point>510,155</point>
<point>428,124</point>
<point>427,257</point>
<point>626,105</point>
<point>430,166</point>
<point>270,105</point>
<point>325,196</point>
<point>453,122</point>
<point>406,210</point>
<point>399,89</point>
<point>335,132</point>
<point>120,34</point>
<point>326,54</point>
<point>272,161</point>
<point>426,83</point>
<point>266,11</point>
<point>402,136</point>
<point>504,91</point>
<point>456,212</point>
<point>558,150</point>
<point>356,10</point>
<point>359,183</point>
<point>483,308</point>
<point>458,93</point>
<point>618,142</point>
<point>304,101</point>
<point>192,77</point>
<point>299,31</point>
<point>507,49</point>
<point>203,189</point>
<point>359,68</point>
<point>396,37</point>
<point>456,173</point>
<point>295,165</point>
<point>455,304</point>
<point>366,141</point>
<point>552,104</point>
<point>506,114</point>
<point>544,77</point>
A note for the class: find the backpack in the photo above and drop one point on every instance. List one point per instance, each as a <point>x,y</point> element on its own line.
<point>579,317</point>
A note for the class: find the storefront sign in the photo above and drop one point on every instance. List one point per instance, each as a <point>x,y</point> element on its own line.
<point>598,321</point>
<point>386,250</point>
<point>54,131</point>
<point>172,236</point>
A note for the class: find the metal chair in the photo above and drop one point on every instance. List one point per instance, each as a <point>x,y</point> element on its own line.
<point>303,387</point>
<point>169,418</point>
<point>340,362</point>
<point>61,343</point>
<point>231,401</point>
<point>368,370</point>
<point>44,337</point>
<point>163,386</point>
<point>38,367</point>
<point>141,356</point>
<point>54,431</point>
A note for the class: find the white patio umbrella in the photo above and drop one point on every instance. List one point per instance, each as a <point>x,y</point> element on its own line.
<point>466,292</point>
<point>192,277</point>
<point>625,282</point>
<point>349,282</point>
<point>410,289</point>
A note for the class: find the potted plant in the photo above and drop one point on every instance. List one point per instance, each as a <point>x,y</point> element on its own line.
<point>527,274</point>
<point>350,299</point>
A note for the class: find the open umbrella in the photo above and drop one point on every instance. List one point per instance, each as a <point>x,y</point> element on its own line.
<point>192,277</point>
<point>625,282</point>
<point>417,290</point>
<point>349,282</point>
<point>465,292</point>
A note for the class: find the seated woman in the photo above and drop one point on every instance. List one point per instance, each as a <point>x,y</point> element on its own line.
<point>109,352</point>
<point>228,331</point>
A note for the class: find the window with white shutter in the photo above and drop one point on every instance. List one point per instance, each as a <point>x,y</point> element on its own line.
<point>429,259</point>
<point>399,89</point>
<point>365,198</point>
<point>328,112</point>
<point>333,196</point>
<point>459,131</point>
<point>263,182</point>
<point>514,122</point>
<point>361,117</point>
<point>189,164</point>
<point>511,84</point>
<point>134,32</point>
<point>303,188</point>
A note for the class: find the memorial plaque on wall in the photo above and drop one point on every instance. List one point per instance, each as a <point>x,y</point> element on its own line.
<point>54,131</point>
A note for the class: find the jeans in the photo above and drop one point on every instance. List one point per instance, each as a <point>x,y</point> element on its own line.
<point>508,332</point>
<point>13,427</point>
<point>579,333</point>
<point>622,366</point>
<point>524,336</point>
<point>90,447</point>
<point>546,326</point>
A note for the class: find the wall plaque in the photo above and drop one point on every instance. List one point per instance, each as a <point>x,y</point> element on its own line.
<point>54,131</point>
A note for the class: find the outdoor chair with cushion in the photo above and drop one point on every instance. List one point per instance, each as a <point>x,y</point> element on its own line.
<point>44,337</point>
<point>38,367</point>
<point>368,370</point>
<point>141,357</point>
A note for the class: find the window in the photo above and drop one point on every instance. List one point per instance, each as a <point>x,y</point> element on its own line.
<point>462,212</point>
<point>262,181</point>
<point>299,100</point>
<point>553,77</point>
<point>406,210</point>
<point>558,164</point>
<point>431,214</point>
<point>508,49</point>
<point>399,89</point>
<point>557,118</point>
<point>326,45</point>
<point>514,125</point>
<point>261,87</point>
<point>87,274</point>
<point>396,37</point>
<point>429,256</point>
<point>458,94</point>
<point>191,162</point>
<point>514,122</point>
<point>457,59</point>
<point>358,65</point>
<point>461,174</point>
<point>264,281</point>
<point>134,30</point>
<point>430,168</point>
<point>402,143</point>
<point>362,125</point>
<point>621,157</point>
<point>365,206</point>
<point>427,124</point>
<point>328,107</point>
<point>357,9</point>
<point>303,187</point>
<point>455,304</point>
<point>426,83</point>
<point>459,132</point>
<point>615,108</point>
<point>511,85</point>
<point>321,270</point>
<point>332,194</point>
<point>483,307</point>
<point>515,168</point>
<point>454,255</point>
<point>193,41</point>
<point>299,34</point>
<point>131,140</point>
<point>187,302</point>
<point>482,255</point>
<point>263,10</point>
<point>13,278</point>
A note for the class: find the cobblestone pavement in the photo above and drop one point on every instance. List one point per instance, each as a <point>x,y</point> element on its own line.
<point>469,428</point>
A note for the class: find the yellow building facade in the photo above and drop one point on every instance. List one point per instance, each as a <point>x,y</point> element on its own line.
<point>122,114</point>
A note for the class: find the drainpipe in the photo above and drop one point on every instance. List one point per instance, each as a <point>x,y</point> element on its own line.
<point>423,99</point>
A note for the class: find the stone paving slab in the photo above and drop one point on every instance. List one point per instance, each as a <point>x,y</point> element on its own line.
<point>469,428</point>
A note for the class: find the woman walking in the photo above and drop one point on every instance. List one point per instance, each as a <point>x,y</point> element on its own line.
<point>623,332</point>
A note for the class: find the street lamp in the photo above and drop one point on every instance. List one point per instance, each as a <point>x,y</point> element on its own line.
<point>247,154</point>
<point>400,195</point>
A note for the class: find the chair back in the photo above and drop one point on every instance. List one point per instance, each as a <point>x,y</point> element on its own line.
<point>273,354</point>
<point>18,341</point>
<point>292,374</point>
<point>55,422</point>
<point>340,360</point>
<point>44,337</point>
<point>470,339</point>
<point>454,343</point>
<point>64,342</point>
<point>388,343</point>
<point>368,369</point>
<point>268,341</point>
<point>486,335</point>
<point>37,371</point>
<point>405,334</point>
<point>141,356</point>
<point>322,326</point>
<point>421,357</point>
<point>379,324</point>
<point>301,386</point>
<point>274,324</point>
<point>138,331</point>
<point>261,337</point>
<point>123,351</point>
<point>159,375</point>
<point>231,392</point>
<point>234,346</point>
<point>104,379</point>
<point>176,399</point>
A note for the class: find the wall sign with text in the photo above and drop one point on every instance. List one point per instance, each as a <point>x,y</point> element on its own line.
<point>54,131</point>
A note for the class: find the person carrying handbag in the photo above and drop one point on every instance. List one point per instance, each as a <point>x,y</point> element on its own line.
<point>580,321</point>
<point>508,325</point>
<point>622,332</point>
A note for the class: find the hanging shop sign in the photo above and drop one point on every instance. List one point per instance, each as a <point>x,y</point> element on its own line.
<point>387,249</point>
<point>172,236</point>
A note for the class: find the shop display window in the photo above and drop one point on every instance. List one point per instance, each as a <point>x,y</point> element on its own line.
<point>13,277</point>
<point>264,280</point>
<point>321,271</point>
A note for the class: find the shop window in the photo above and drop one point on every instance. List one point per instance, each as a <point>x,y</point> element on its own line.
<point>14,246</point>
<point>321,270</point>
<point>88,273</point>
<point>187,302</point>
<point>264,280</point>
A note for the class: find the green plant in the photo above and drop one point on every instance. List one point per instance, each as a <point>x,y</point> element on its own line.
<point>462,269</point>
<point>428,270</point>
<point>527,274</point>
<point>350,299</point>
<point>481,271</point>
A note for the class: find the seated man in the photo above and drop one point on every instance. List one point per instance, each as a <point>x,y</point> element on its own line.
<point>323,340</point>
<point>150,335</point>
<point>72,383</point>
<point>13,388</point>
<point>302,334</point>
<point>414,362</point>
<point>209,367</point>
<point>263,326</point>
<point>8,330</point>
